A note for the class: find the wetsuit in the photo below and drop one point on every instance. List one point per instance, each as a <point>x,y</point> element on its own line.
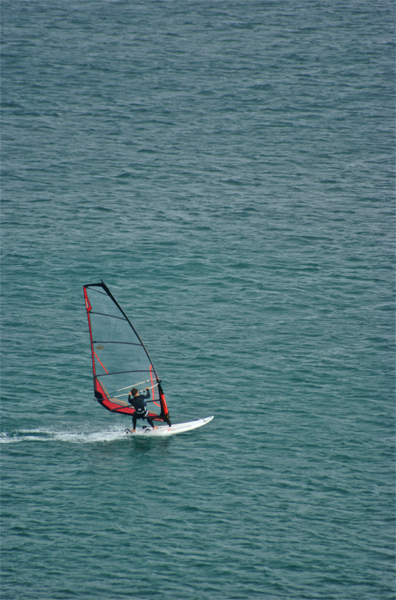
<point>141,410</point>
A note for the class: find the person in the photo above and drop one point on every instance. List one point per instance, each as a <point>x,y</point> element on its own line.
<point>141,410</point>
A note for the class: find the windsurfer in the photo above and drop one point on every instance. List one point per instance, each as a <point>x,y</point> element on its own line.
<point>141,411</point>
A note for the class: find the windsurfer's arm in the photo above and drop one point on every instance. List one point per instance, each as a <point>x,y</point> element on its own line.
<point>147,394</point>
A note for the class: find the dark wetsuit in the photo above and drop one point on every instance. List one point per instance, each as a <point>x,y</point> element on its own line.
<point>141,411</point>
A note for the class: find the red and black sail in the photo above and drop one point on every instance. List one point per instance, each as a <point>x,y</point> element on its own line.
<point>120,360</point>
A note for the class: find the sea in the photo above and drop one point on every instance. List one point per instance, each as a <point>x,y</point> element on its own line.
<point>227,168</point>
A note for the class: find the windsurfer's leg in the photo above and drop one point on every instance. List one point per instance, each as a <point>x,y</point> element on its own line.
<point>133,422</point>
<point>151,422</point>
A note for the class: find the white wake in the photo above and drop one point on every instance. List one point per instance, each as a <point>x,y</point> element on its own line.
<point>73,437</point>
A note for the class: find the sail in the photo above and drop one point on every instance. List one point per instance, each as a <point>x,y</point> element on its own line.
<point>120,360</point>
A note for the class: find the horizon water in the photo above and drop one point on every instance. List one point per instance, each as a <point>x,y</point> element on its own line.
<point>227,169</point>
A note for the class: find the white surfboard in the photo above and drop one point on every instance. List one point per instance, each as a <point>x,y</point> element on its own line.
<point>164,430</point>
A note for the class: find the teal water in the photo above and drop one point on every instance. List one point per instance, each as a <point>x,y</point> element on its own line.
<point>227,168</point>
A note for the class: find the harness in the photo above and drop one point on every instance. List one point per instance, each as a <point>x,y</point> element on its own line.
<point>139,406</point>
